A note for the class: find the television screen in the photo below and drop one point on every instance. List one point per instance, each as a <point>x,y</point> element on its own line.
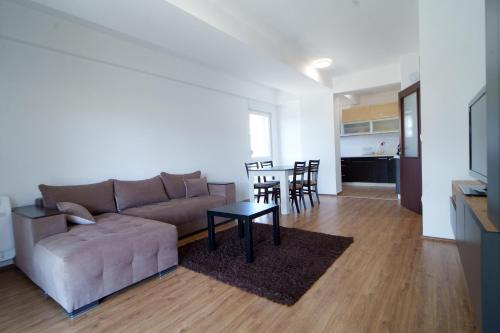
<point>477,138</point>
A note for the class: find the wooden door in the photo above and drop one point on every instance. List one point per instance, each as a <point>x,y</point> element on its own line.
<point>411,163</point>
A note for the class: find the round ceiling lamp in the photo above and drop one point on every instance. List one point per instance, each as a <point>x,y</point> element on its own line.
<point>322,63</point>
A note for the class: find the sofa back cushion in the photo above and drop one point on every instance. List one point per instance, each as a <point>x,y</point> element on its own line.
<point>98,198</point>
<point>196,187</point>
<point>135,193</point>
<point>174,184</point>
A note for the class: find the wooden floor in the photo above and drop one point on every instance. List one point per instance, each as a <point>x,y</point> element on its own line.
<point>388,280</point>
<point>369,192</point>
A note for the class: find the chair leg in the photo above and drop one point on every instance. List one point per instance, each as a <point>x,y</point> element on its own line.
<point>303,199</point>
<point>294,196</point>
<point>317,195</point>
<point>309,192</point>
<point>266,196</point>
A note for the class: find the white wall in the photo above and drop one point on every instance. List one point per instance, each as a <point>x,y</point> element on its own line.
<point>290,132</point>
<point>452,69</point>
<point>367,79</point>
<point>410,69</point>
<point>80,105</point>
<point>307,132</point>
<point>318,137</point>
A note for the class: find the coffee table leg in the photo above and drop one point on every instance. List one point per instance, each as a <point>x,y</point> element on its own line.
<point>241,231</point>
<point>248,240</point>
<point>211,232</point>
<point>276,227</point>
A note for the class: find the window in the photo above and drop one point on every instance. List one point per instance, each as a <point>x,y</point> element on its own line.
<point>260,134</point>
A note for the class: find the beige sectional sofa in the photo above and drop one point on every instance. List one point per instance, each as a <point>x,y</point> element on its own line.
<point>137,224</point>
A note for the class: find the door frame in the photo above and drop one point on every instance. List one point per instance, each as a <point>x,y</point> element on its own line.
<point>406,161</point>
<point>401,95</point>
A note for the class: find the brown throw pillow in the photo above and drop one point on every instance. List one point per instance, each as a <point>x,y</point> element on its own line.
<point>174,184</point>
<point>98,198</point>
<point>196,187</point>
<point>133,193</point>
<point>75,213</point>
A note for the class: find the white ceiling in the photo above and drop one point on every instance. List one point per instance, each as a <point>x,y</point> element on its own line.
<point>163,26</point>
<point>270,42</point>
<point>356,34</point>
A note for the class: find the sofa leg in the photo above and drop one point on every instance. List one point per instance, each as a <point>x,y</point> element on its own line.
<point>82,310</point>
<point>166,271</point>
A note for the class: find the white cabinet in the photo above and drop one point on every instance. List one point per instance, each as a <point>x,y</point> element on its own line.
<point>385,125</point>
<point>356,128</point>
<point>390,125</point>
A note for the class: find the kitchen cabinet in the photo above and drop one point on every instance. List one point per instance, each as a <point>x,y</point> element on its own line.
<point>370,112</point>
<point>372,169</point>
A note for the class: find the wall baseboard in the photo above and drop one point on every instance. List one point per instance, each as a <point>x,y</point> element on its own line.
<point>7,264</point>
<point>369,184</point>
<point>438,239</point>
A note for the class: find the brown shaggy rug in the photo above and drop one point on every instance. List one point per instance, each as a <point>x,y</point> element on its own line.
<point>280,273</point>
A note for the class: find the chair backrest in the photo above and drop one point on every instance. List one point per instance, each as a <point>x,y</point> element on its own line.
<point>299,169</point>
<point>252,166</point>
<point>312,171</point>
<point>266,164</point>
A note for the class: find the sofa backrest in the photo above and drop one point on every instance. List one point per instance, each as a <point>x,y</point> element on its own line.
<point>98,198</point>
<point>135,193</point>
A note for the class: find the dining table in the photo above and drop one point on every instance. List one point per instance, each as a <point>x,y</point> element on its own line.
<point>280,173</point>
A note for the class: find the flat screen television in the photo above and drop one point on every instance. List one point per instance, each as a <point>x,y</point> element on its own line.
<point>478,161</point>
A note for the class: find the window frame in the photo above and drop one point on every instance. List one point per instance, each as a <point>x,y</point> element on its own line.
<point>270,128</point>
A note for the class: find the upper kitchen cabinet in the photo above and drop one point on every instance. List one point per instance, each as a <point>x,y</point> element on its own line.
<point>370,119</point>
<point>370,112</point>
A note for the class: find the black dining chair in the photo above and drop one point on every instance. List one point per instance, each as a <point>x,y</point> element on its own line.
<point>311,183</point>
<point>296,194</point>
<point>297,185</point>
<point>270,164</point>
<point>263,188</point>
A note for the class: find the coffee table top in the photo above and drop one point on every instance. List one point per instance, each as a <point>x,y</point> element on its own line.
<point>243,209</point>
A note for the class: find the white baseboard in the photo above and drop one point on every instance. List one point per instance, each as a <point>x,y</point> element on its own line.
<point>370,184</point>
<point>6,263</point>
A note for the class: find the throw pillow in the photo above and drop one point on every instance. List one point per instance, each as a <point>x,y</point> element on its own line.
<point>75,213</point>
<point>174,184</point>
<point>196,187</point>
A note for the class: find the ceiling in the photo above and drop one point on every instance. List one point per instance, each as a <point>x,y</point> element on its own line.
<point>164,27</point>
<point>270,42</point>
<point>356,34</point>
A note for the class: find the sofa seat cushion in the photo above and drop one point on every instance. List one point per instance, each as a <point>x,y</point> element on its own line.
<point>178,211</point>
<point>91,261</point>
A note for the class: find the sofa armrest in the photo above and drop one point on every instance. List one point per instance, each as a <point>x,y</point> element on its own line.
<point>226,190</point>
<point>31,224</point>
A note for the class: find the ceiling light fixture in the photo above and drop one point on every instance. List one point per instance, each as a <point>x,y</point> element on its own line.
<point>322,63</point>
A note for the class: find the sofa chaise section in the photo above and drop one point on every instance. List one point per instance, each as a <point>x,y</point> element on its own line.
<point>89,262</point>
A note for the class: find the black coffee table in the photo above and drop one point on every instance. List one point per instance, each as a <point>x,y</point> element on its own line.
<point>244,212</point>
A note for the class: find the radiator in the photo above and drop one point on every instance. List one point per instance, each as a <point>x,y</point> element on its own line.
<point>7,250</point>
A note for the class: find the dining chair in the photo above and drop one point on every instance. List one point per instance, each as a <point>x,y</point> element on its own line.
<point>270,164</point>
<point>263,188</point>
<point>297,185</point>
<point>311,183</point>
